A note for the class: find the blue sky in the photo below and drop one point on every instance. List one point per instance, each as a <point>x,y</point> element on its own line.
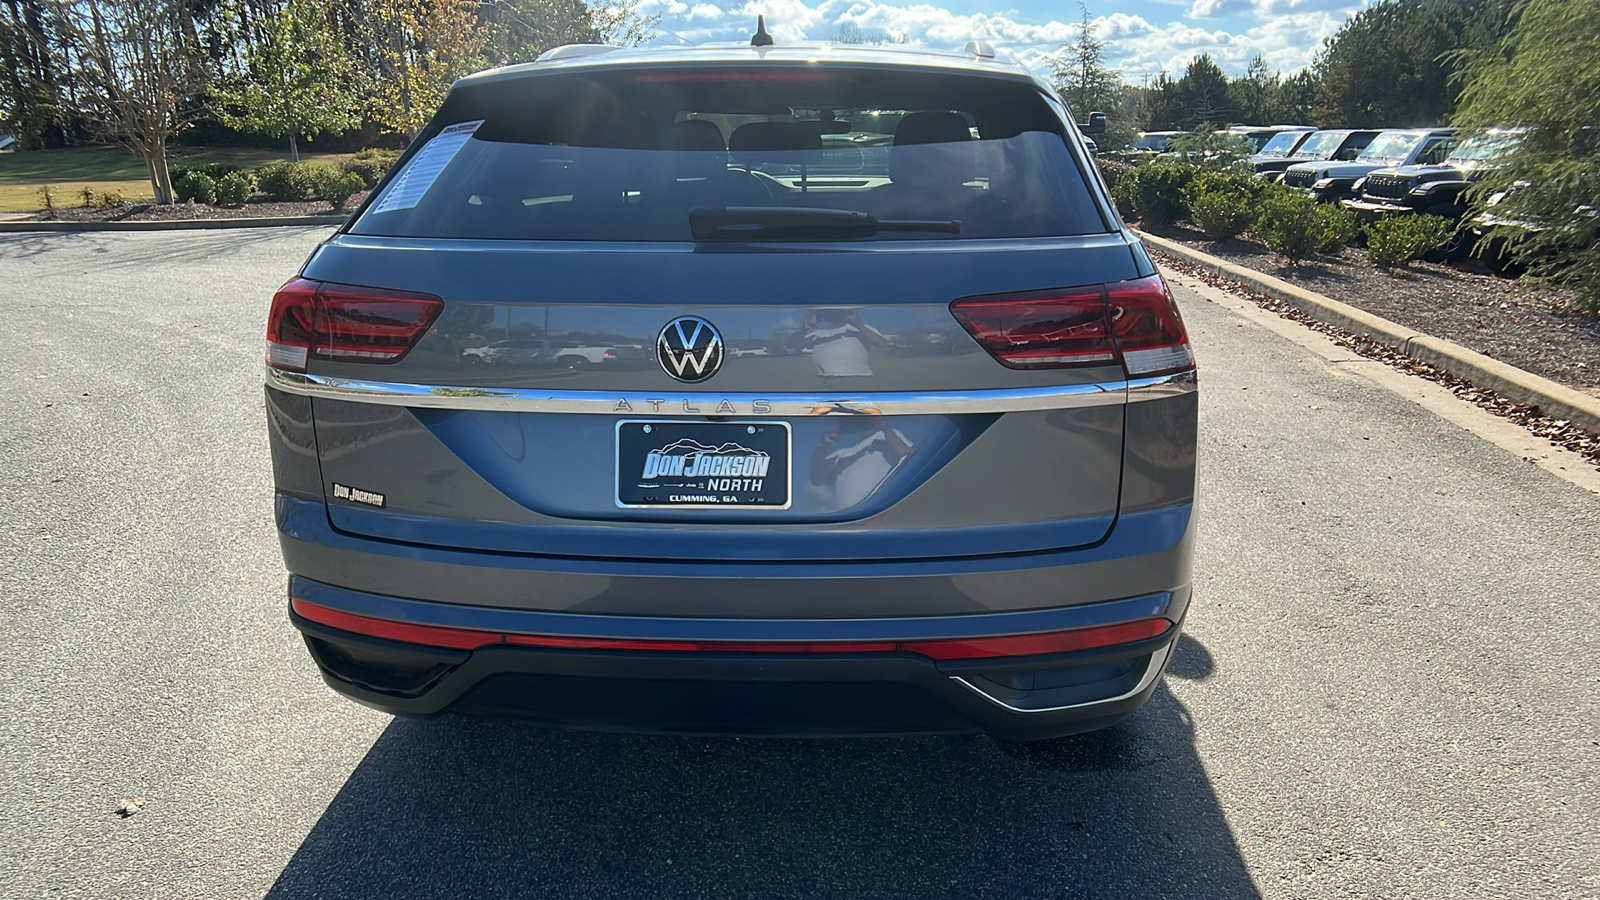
<point>1143,37</point>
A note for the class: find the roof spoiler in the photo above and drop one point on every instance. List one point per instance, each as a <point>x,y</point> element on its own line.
<point>574,51</point>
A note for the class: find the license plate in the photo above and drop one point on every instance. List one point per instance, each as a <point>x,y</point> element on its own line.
<point>703,465</point>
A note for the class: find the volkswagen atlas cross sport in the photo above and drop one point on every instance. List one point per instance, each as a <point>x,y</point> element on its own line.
<point>913,451</point>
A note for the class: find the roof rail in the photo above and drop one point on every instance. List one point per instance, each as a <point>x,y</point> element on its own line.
<point>575,51</point>
<point>980,49</point>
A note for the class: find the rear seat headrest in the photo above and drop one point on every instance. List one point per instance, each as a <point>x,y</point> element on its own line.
<point>776,136</point>
<point>934,127</point>
<point>932,149</point>
<point>692,134</point>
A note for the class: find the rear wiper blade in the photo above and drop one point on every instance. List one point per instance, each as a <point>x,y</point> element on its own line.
<point>779,223</point>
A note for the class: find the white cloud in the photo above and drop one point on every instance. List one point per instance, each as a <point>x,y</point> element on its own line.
<point>1288,32</point>
<point>1216,9</point>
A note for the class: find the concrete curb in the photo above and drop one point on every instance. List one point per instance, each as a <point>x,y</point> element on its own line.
<point>1553,399</point>
<point>174,224</point>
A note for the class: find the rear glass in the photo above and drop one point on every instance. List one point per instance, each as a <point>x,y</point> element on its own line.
<point>626,154</point>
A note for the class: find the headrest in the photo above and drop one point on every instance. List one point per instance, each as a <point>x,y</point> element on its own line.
<point>932,128</point>
<point>692,134</point>
<point>775,136</point>
<point>932,149</point>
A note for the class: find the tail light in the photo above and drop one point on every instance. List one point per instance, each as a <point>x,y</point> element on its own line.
<point>344,323</point>
<point>1132,323</point>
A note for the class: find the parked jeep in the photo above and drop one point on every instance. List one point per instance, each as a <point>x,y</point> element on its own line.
<point>1434,190</point>
<point>1279,148</point>
<point>1148,145</point>
<point>1257,136</point>
<point>1395,148</point>
<point>1340,144</point>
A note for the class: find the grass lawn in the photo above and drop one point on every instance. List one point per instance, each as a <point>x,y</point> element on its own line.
<point>68,172</point>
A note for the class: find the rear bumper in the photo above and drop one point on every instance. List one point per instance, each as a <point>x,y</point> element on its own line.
<point>883,691</point>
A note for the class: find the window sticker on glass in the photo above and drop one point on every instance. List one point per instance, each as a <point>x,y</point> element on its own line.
<point>425,167</point>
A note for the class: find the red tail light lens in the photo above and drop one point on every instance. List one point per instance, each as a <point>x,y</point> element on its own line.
<point>1149,331</point>
<point>1135,323</point>
<point>1043,330</point>
<point>316,320</point>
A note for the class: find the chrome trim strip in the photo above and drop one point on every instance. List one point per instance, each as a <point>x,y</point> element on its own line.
<point>1158,661</point>
<point>674,403</point>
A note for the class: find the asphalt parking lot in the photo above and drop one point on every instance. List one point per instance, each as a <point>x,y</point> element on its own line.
<point>1387,688</point>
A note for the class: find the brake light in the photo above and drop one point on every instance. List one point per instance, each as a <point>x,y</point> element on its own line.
<point>1149,330</point>
<point>316,320</point>
<point>1041,330</point>
<point>1134,323</point>
<point>947,649</point>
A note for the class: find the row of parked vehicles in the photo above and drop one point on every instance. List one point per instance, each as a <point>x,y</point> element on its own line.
<point>1374,172</point>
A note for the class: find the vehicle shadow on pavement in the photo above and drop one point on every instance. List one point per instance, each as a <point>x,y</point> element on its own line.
<point>467,808</point>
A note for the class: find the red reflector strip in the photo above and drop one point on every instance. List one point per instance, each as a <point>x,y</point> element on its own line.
<point>1036,644</point>
<point>974,648</point>
<point>432,635</point>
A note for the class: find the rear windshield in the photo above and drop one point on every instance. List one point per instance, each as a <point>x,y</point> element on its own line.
<point>626,154</point>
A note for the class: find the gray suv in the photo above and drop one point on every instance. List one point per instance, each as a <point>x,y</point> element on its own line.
<point>954,494</point>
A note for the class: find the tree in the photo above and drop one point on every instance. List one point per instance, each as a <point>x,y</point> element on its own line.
<point>32,105</point>
<point>136,66</point>
<point>517,31</point>
<point>1202,94</point>
<point>851,33</point>
<point>619,22</point>
<point>298,81</point>
<point>1255,97</point>
<point>1159,109</point>
<point>1297,98</point>
<point>1544,75</point>
<point>1080,72</point>
<point>419,47</point>
<point>1087,85</point>
<point>1391,63</point>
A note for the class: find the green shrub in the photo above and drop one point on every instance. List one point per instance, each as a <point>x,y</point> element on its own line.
<point>1112,171</point>
<point>1235,183</point>
<point>388,156</point>
<point>1212,152</point>
<point>195,187</point>
<point>1397,240</point>
<point>336,186</point>
<point>216,171</point>
<point>234,188</point>
<point>1290,225</point>
<point>1157,191</point>
<point>287,181</point>
<point>371,167</point>
<point>1339,228</point>
<point>1220,214</point>
<point>103,199</point>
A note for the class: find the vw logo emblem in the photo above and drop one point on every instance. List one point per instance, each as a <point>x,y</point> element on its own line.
<point>689,349</point>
